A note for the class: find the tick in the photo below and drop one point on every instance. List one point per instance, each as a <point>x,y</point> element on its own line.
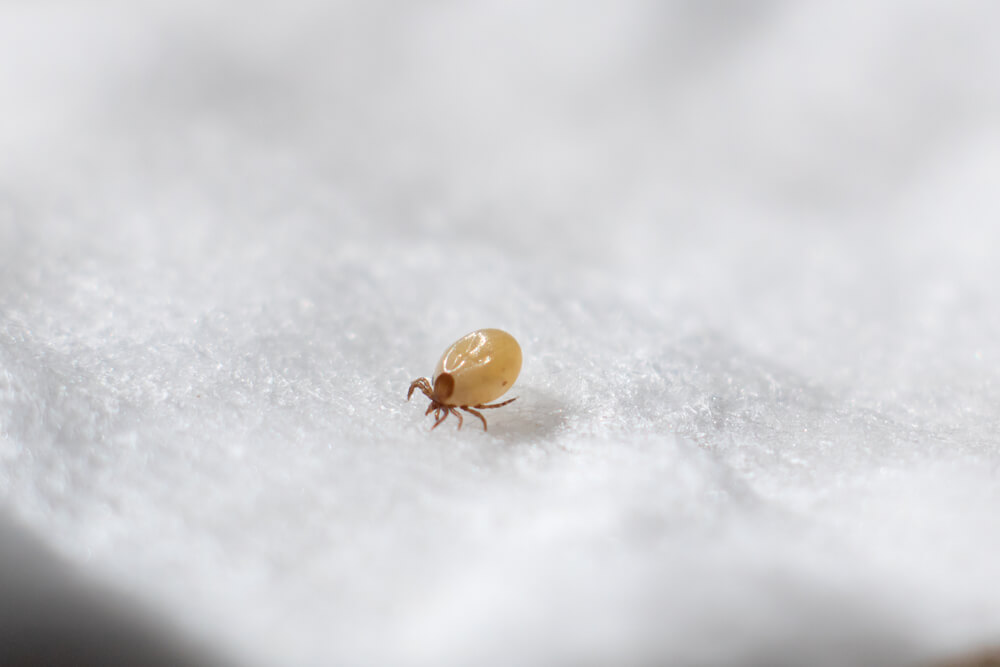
<point>478,368</point>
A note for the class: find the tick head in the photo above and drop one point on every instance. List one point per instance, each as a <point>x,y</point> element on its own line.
<point>444,387</point>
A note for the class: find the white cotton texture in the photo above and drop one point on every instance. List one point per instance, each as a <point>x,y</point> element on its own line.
<point>750,255</point>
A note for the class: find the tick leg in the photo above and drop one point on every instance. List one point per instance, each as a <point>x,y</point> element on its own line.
<point>444,415</point>
<point>423,384</point>
<point>457,414</point>
<point>431,408</point>
<point>497,405</point>
<point>475,412</point>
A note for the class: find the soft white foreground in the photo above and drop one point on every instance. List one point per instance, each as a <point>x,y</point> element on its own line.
<point>750,255</point>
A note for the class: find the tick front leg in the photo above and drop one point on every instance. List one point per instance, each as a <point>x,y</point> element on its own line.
<point>420,383</point>
<point>444,415</point>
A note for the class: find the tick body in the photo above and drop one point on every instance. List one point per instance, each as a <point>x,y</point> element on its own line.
<point>478,368</point>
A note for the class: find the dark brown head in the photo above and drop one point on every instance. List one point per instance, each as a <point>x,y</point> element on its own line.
<point>444,387</point>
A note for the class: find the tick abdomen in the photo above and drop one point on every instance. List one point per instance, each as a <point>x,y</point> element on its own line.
<point>478,368</point>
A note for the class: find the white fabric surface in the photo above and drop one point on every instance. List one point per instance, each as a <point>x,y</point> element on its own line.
<point>750,255</point>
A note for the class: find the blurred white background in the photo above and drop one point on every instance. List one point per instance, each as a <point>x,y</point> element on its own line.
<point>749,251</point>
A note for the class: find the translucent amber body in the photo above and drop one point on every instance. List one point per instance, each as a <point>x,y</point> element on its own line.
<point>478,368</point>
